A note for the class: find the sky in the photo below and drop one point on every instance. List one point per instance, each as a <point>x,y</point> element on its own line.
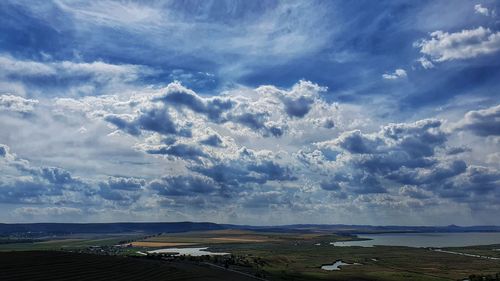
<point>250,112</point>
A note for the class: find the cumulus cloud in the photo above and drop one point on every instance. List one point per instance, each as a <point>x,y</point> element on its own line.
<point>465,44</point>
<point>237,173</point>
<point>17,104</point>
<point>213,140</point>
<point>484,122</point>
<point>177,95</point>
<point>414,192</point>
<point>348,163</point>
<point>397,74</point>
<point>153,119</point>
<point>260,113</point>
<point>184,186</point>
<point>210,150</point>
<point>479,9</point>
<point>124,183</point>
<point>367,163</point>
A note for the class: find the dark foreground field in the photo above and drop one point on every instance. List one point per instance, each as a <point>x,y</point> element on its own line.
<point>55,266</point>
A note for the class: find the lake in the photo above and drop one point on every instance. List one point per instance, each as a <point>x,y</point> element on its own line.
<point>436,240</point>
<point>188,252</point>
<point>336,265</point>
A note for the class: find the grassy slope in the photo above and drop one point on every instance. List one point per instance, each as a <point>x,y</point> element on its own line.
<point>55,266</point>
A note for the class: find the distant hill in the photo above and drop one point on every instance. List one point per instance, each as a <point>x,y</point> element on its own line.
<point>359,229</point>
<point>101,228</point>
<point>171,227</point>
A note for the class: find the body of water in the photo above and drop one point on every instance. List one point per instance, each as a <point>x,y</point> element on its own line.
<point>435,240</point>
<point>336,265</point>
<point>188,252</point>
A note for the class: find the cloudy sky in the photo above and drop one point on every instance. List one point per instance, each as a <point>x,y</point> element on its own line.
<point>250,112</point>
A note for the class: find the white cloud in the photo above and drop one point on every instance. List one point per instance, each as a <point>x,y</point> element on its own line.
<point>468,43</point>
<point>397,74</point>
<point>309,168</point>
<point>427,64</point>
<point>17,104</point>
<point>112,13</point>
<point>47,211</point>
<point>481,10</point>
<point>485,122</point>
<point>10,66</point>
<point>72,78</point>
